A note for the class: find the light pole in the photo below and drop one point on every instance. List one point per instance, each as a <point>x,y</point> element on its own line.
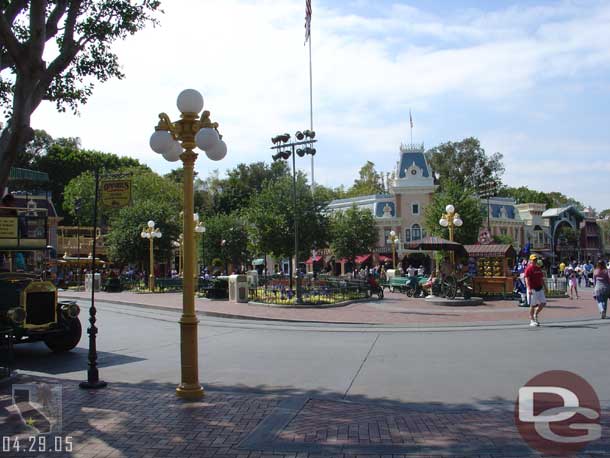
<point>176,141</point>
<point>394,240</point>
<point>451,219</point>
<point>77,207</point>
<point>285,150</point>
<point>199,229</point>
<point>151,232</point>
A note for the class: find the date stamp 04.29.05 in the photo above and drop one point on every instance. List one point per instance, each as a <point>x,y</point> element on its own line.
<point>35,423</point>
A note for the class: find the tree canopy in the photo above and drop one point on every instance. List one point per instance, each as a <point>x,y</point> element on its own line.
<point>225,238</point>
<point>369,182</point>
<point>55,50</point>
<point>63,163</point>
<point>271,219</point>
<point>244,181</point>
<point>352,232</point>
<point>465,204</point>
<point>466,164</point>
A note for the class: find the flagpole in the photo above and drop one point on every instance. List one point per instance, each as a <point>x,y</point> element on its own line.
<point>313,182</point>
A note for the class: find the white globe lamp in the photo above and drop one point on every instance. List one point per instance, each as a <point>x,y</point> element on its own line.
<point>190,101</point>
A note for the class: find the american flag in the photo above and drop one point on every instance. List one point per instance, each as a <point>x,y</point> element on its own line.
<point>411,119</point>
<point>307,19</point>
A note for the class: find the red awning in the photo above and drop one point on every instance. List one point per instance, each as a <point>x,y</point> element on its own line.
<point>362,258</point>
<point>383,258</point>
<point>316,259</point>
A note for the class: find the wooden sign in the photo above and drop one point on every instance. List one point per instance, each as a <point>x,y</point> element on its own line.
<point>115,193</point>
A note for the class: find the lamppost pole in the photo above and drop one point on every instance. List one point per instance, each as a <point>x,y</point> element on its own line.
<point>451,219</point>
<point>177,141</point>
<point>151,232</point>
<point>394,239</point>
<point>77,206</point>
<point>281,142</point>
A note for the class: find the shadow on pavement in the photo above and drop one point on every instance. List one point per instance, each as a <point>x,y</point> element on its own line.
<point>38,358</point>
<point>147,419</point>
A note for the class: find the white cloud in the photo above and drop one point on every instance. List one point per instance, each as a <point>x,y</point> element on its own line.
<point>248,59</point>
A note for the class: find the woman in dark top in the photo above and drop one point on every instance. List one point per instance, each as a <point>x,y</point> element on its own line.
<point>601,285</point>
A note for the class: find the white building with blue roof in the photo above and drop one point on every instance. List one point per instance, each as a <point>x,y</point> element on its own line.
<point>402,208</point>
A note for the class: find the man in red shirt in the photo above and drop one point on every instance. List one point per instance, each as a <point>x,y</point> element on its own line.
<point>534,282</point>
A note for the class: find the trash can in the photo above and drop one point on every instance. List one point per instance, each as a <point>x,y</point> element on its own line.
<point>93,282</point>
<point>238,288</point>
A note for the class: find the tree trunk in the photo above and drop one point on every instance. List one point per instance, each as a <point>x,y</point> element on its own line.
<point>18,132</point>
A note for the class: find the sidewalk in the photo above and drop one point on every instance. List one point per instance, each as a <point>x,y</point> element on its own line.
<point>125,420</point>
<point>395,309</point>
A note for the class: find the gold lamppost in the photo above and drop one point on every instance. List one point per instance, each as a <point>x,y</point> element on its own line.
<point>451,219</point>
<point>151,232</point>
<point>176,141</point>
<point>394,240</point>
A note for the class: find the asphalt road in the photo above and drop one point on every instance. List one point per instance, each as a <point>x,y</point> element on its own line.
<point>466,366</point>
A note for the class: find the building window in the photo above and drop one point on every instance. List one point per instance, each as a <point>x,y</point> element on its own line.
<point>407,235</point>
<point>504,231</point>
<point>415,209</point>
<point>416,232</point>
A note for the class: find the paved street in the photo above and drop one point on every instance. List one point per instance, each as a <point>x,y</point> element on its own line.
<point>330,389</point>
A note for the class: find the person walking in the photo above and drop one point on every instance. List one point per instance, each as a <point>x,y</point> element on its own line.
<point>572,281</point>
<point>534,283</point>
<point>601,287</point>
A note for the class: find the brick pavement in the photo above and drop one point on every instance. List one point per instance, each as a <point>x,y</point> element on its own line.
<point>395,309</point>
<point>148,420</point>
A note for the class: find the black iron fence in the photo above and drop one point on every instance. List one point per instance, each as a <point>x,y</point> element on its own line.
<point>314,291</point>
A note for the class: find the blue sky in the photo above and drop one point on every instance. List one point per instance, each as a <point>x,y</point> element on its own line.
<point>530,79</point>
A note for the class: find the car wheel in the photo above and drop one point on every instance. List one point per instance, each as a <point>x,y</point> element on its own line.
<point>67,341</point>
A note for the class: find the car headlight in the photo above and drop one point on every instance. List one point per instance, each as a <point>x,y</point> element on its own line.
<point>17,315</point>
<point>70,310</point>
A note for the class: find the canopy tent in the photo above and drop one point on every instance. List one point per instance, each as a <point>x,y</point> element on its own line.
<point>437,244</point>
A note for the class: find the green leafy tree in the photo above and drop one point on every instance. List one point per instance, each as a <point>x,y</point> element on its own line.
<point>465,204</point>
<point>525,195</point>
<point>465,163</point>
<point>147,186</point>
<point>503,239</point>
<point>63,163</point>
<point>34,149</point>
<point>369,182</point>
<point>234,192</point>
<point>558,199</point>
<point>271,219</point>
<point>55,50</point>
<point>225,238</point>
<point>126,246</point>
<point>352,232</point>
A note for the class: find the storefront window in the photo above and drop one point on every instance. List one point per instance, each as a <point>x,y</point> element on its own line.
<point>407,235</point>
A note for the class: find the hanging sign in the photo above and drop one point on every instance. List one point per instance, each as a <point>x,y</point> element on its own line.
<point>115,193</point>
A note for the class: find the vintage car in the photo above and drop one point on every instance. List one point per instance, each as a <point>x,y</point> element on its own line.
<point>30,312</point>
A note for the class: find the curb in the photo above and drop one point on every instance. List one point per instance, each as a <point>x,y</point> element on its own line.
<point>376,326</point>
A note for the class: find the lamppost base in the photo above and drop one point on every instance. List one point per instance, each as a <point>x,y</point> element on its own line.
<point>93,385</point>
<point>191,392</point>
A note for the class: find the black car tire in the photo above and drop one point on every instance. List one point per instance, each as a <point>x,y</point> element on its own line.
<point>67,341</point>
